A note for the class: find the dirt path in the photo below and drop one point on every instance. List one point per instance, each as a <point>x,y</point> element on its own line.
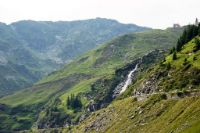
<point>169,95</point>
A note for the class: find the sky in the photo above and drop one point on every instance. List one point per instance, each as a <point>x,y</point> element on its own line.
<point>151,13</point>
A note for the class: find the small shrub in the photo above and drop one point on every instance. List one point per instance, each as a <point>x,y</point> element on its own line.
<point>187,66</point>
<point>197,45</point>
<point>185,92</point>
<point>163,96</point>
<point>169,87</point>
<point>168,66</point>
<point>185,62</point>
<point>195,76</point>
<point>194,58</point>
<point>180,94</point>
<point>135,99</point>
<point>183,83</point>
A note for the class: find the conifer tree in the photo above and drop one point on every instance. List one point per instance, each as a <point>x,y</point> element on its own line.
<point>197,45</point>
<point>189,33</point>
<point>74,102</point>
<point>174,56</point>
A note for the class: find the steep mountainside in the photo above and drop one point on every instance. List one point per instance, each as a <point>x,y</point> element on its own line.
<point>90,79</point>
<point>155,114</point>
<point>31,49</point>
<point>18,65</point>
<point>165,99</point>
<point>61,41</point>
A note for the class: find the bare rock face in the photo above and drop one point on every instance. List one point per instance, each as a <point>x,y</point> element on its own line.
<point>102,120</point>
<point>3,60</point>
<point>150,85</point>
<point>92,107</point>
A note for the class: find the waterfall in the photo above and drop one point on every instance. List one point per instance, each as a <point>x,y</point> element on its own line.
<point>128,81</point>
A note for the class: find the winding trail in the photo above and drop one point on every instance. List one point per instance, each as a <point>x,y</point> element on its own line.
<point>172,95</point>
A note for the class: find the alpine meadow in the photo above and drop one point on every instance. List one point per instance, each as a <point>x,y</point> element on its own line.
<point>86,67</point>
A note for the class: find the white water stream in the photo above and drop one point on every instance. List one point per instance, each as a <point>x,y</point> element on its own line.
<point>128,80</point>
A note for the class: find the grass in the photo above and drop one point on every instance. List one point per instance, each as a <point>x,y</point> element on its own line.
<point>183,73</point>
<point>153,115</point>
<point>78,76</point>
<point>195,128</point>
<point>83,86</point>
<point>185,53</point>
<point>116,53</point>
<point>24,98</point>
<point>126,48</point>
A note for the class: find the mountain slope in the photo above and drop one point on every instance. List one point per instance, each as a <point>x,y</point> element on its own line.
<point>165,99</point>
<point>16,62</point>
<point>31,49</point>
<point>92,77</point>
<point>155,114</point>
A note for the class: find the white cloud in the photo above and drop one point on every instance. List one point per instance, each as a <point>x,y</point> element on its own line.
<point>153,13</point>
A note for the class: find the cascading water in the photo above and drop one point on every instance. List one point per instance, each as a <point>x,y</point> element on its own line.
<point>128,80</point>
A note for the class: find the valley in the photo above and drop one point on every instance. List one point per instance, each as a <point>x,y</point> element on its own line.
<point>144,80</point>
<point>99,66</point>
<point>93,77</point>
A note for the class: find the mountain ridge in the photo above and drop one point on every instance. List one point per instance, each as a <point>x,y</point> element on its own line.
<point>44,46</point>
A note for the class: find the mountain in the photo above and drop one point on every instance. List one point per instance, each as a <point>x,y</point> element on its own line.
<point>69,95</point>
<point>164,99</point>
<point>31,49</point>
<point>16,62</point>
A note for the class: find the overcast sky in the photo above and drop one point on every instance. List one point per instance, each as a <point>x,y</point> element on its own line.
<point>152,13</point>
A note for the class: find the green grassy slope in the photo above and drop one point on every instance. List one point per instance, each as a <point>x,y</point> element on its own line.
<point>105,60</point>
<point>117,52</point>
<point>181,73</point>
<point>175,111</point>
<point>97,66</point>
<point>152,115</point>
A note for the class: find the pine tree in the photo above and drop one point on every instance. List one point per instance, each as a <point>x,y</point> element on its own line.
<point>197,45</point>
<point>174,56</point>
<point>189,33</point>
<point>199,29</point>
<point>68,101</point>
<point>168,66</point>
<point>172,50</point>
<point>185,61</point>
<point>74,102</point>
<point>179,45</point>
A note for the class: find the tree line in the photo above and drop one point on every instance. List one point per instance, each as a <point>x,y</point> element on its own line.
<point>189,33</point>
<point>74,102</point>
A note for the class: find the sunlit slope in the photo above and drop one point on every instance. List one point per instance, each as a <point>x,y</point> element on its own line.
<point>155,114</point>
<point>117,52</point>
<point>171,105</point>
<point>103,61</point>
<point>45,102</point>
